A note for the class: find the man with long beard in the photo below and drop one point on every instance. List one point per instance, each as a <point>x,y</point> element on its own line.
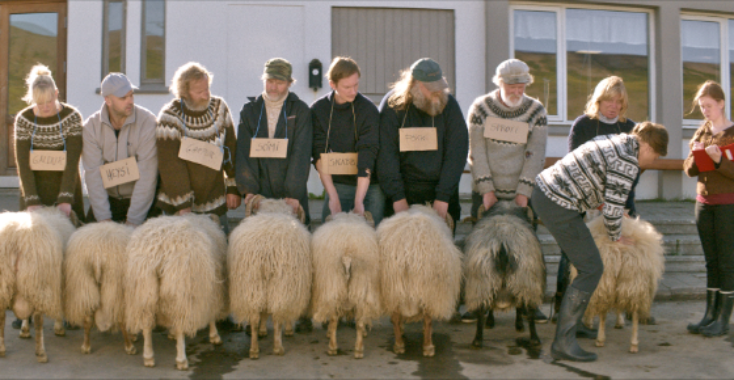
<point>420,101</point>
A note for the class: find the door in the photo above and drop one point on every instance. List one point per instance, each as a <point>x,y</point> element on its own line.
<point>30,32</point>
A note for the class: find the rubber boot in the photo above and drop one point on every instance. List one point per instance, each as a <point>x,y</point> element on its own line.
<point>720,326</point>
<point>565,346</point>
<point>584,332</point>
<point>709,315</point>
<point>556,305</point>
<point>540,317</point>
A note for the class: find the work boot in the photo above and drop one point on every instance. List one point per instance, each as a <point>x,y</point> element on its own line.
<point>556,306</point>
<point>720,326</point>
<point>709,315</point>
<point>304,325</point>
<point>585,332</point>
<point>540,317</point>
<point>565,345</point>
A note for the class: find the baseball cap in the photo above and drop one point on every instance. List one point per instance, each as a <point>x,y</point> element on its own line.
<point>429,72</point>
<point>116,84</point>
<point>278,68</point>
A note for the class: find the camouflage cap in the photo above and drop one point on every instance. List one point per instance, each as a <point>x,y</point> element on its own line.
<point>278,68</point>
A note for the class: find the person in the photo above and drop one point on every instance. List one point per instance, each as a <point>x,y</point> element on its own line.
<point>421,98</point>
<point>120,130</point>
<point>505,169</point>
<point>345,121</point>
<point>714,208</point>
<point>598,173</point>
<point>605,114</point>
<point>48,124</point>
<point>188,186</point>
<point>277,113</point>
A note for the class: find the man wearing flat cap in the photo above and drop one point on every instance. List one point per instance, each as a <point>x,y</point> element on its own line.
<point>423,141</point>
<point>504,164</point>
<point>118,131</point>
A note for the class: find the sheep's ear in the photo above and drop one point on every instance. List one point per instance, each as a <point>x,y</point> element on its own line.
<point>370,220</point>
<point>480,212</point>
<point>301,215</point>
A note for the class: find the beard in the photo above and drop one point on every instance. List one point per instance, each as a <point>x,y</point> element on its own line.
<point>197,106</point>
<point>433,105</point>
<point>511,101</point>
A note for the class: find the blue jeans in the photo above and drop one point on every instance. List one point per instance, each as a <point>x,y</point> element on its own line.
<point>374,201</point>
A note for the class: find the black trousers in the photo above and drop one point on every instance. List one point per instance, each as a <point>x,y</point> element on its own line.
<point>716,230</point>
<point>119,208</point>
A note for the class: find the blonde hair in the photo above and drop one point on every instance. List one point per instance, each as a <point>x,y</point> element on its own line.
<point>185,75</point>
<point>41,85</point>
<point>401,95</point>
<point>607,89</point>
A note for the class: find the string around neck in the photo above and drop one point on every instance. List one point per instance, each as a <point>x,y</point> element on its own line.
<point>285,118</point>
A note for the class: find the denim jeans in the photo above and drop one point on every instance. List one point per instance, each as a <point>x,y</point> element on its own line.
<point>374,200</point>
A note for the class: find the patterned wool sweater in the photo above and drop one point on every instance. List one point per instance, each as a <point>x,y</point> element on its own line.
<point>506,168</point>
<point>187,184</point>
<point>600,171</point>
<point>720,180</point>
<point>50,187</point>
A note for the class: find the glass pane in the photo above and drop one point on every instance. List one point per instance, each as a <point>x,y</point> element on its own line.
<point>535,44</point>
<point>604,43</point>
<point>700,48</point>
<point>33,39</point>
<point>114,36</point>
<point>154,42</point>
<point>731,66</point>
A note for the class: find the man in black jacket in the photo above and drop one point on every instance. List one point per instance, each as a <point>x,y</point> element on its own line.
<point>430,171</point>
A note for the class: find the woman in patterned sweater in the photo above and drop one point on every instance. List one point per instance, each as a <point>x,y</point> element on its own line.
<point>598,173</point>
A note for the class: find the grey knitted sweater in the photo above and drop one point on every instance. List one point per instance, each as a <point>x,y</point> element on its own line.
<point>504,167</point>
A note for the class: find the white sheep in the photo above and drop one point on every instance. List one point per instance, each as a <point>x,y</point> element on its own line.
<point>420,271</point>
<point>175,279</point>
<point>269,264</point>
<point>346,277</point>
<point>94,276</point>
<point>504,267</point>
<point>31,255</point>
<point>631,274</point>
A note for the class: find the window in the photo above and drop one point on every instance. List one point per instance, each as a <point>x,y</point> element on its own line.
<point>113,40</point>
<point>153,42</point>
<point>569,50</point>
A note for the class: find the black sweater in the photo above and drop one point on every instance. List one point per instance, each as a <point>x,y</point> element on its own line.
<point>441,168</point>
<point>350,132</point>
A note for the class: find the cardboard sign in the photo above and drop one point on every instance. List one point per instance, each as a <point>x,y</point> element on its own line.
<point>506,130</point>
<point>418,139</point>
<point>48,160</point>
<point>119,172</point>
<point>339,163</point>
<point>268,148</point>
<point>201,152</point>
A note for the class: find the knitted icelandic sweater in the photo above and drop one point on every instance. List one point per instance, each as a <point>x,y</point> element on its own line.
<point>600,171</point>
<point>503,167</point>
<point>187,184</point>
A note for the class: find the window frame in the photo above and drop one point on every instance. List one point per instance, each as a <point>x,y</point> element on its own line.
<point>143,48</point>
<point>724,63</point>
<point>562,117</point>
<point>106,37</point>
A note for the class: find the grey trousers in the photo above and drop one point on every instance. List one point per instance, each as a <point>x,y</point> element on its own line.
<point>574,238</point>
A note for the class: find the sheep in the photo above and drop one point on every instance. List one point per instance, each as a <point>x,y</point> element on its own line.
<point>420,271</point>
<point>175,278</point>
<point>346,278</point>
<point>94,272</point>
<point>630,277</point>
<point>504,267</point>
<point>269,264</point>
<point>31,254</point>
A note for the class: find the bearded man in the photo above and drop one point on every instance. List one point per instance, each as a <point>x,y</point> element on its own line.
<point>421,104</point>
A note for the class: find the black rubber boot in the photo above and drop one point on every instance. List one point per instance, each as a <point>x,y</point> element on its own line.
<point>584,332</point>
<point>720,326</point>
<point>540,317</point>
<point>556,305</point>
<point>709,315</point>
<point>565,346</point>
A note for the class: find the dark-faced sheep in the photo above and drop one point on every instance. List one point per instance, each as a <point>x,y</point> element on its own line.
<point>346,278</point>
<point>632,269</point>
<point>269,264</point>
<point>420,271</point>
<point>175,279</point>
<point>504,267</point>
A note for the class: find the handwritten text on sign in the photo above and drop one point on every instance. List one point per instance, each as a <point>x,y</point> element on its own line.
<point>339,163</point>
<point>48,160</point>
<point>201,153</point>
<point>506,130</point>
<point>269,148</point>
<point>418,139</point>
<point>119,172</point>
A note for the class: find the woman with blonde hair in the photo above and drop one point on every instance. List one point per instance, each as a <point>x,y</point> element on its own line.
<point>714,208</point>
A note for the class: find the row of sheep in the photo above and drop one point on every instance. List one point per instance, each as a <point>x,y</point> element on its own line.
<point>181,273</point>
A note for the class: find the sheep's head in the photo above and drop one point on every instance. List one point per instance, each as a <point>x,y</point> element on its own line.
<point>260,204</point>
<point>506,208</point>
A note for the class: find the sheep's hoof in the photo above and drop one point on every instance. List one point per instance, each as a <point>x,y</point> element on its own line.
<point>254,354</point>
<point>634,349</point>
<point>25,334</point>
<point>86,349</point>
<point>60,331</point>
<point>429,351</point>
<point>182,365</point>
<point>171,336</point>
<point>476,343</point>
<point>42,357</point>
<point>399,349</point>
<point>358,354</point>
<point>519,328</point>
<point>288,332</point>
<point>133,338</point>
<point>149,362</point>
<point>278,351</point>
<point>262,333</point>
<point>215,340</point>
<point>2,353</point>
<point>618,327</point>
<point>131,350</point>
<point>599,343</point>
<point>333,351</point>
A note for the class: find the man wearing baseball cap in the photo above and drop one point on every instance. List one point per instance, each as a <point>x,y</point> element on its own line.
<point>431,172</point>
<point>120,130</point>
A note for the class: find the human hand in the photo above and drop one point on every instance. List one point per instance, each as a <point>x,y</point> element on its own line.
<point>233,201</point>
<point>294,204</point>
<point>335,206</point>
<point>401,205</point>
<point>714,152</point>
<point>441,208</point>
<point>697,145</point>
<point>625,240</point>
<point>33,208</point>
<point>65,208</point>
<point>521,200</point>
<point>183,211</point>
<point>489,199</point>
<point>358,208</point>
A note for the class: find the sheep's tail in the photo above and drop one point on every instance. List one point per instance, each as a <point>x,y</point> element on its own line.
<point>504,263</point>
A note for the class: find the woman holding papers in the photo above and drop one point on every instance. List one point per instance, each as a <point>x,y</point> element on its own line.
<point>711,161</point>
